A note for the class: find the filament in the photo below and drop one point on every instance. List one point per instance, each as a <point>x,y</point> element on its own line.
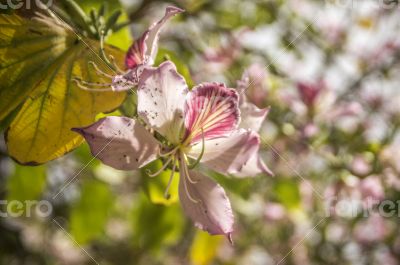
<point>201,153</point>
<point>152,175</point>
<point>183,169</point>
<point>187,173</point>
<point>166,193</point>
<point>94,65</point>
<point>188,193</point>
<point>91,84</point>
<point>113,62</point>
<point>81,84</point>
<point>167,153</point>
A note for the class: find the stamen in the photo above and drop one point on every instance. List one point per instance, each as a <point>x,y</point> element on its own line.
<point>168,153</point>
<point>201,153</point>
<point>114,63</point>
<point>188,193</point>
<point>182,166</point>
<point>91,84</point>
<point>187,172</point>
<point>152,175</point>
<point>166,193</point>
<point>81,84</point>
<point>100,72</point>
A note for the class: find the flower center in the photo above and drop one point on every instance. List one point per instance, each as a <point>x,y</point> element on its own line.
<point>171,156</point>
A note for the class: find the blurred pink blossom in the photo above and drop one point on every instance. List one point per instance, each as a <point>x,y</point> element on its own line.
<point>310,91</point>
<point>360,166</point>
<point>371,188</point>
<point>274,212</point>
<point>372,230</point>
<point>254,82</point>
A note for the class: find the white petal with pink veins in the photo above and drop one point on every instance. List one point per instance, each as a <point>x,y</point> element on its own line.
<point>120,142</point>
<point>232,154</point>
<point>205,202</point>
<point>213,109</point>
<point>161,98</point>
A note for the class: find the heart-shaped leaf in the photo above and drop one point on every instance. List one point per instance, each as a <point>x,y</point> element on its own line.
<point>38,59</point>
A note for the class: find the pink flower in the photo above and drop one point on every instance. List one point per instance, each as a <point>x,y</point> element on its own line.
<point>190,127</point>
<point>141,54</point>
<point>144,50</point>
<point>309,92</point>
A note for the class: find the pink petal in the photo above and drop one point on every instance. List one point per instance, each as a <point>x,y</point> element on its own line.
<point>236,154</point>
<point>212,212</point>
<point>144,50</point>
<point>251,116</point>
<point>120,142</point>
<point>310,91</point>
<point>213,108</point>
<point>254,166</point>
<point>161,97</point>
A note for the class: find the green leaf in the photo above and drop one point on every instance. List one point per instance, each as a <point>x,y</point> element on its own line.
<point>155,187</point>
<point>90,214</point>
<point>182,68</point>
<point>204,248</point>
<point>38,59</point>
<point>27,183</point>
<point>156,225</point>
<point>287,192</point>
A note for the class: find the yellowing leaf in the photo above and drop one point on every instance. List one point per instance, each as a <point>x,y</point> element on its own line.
<point>27,48</point>
<point>38,58</point>
<point>204,248</point>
